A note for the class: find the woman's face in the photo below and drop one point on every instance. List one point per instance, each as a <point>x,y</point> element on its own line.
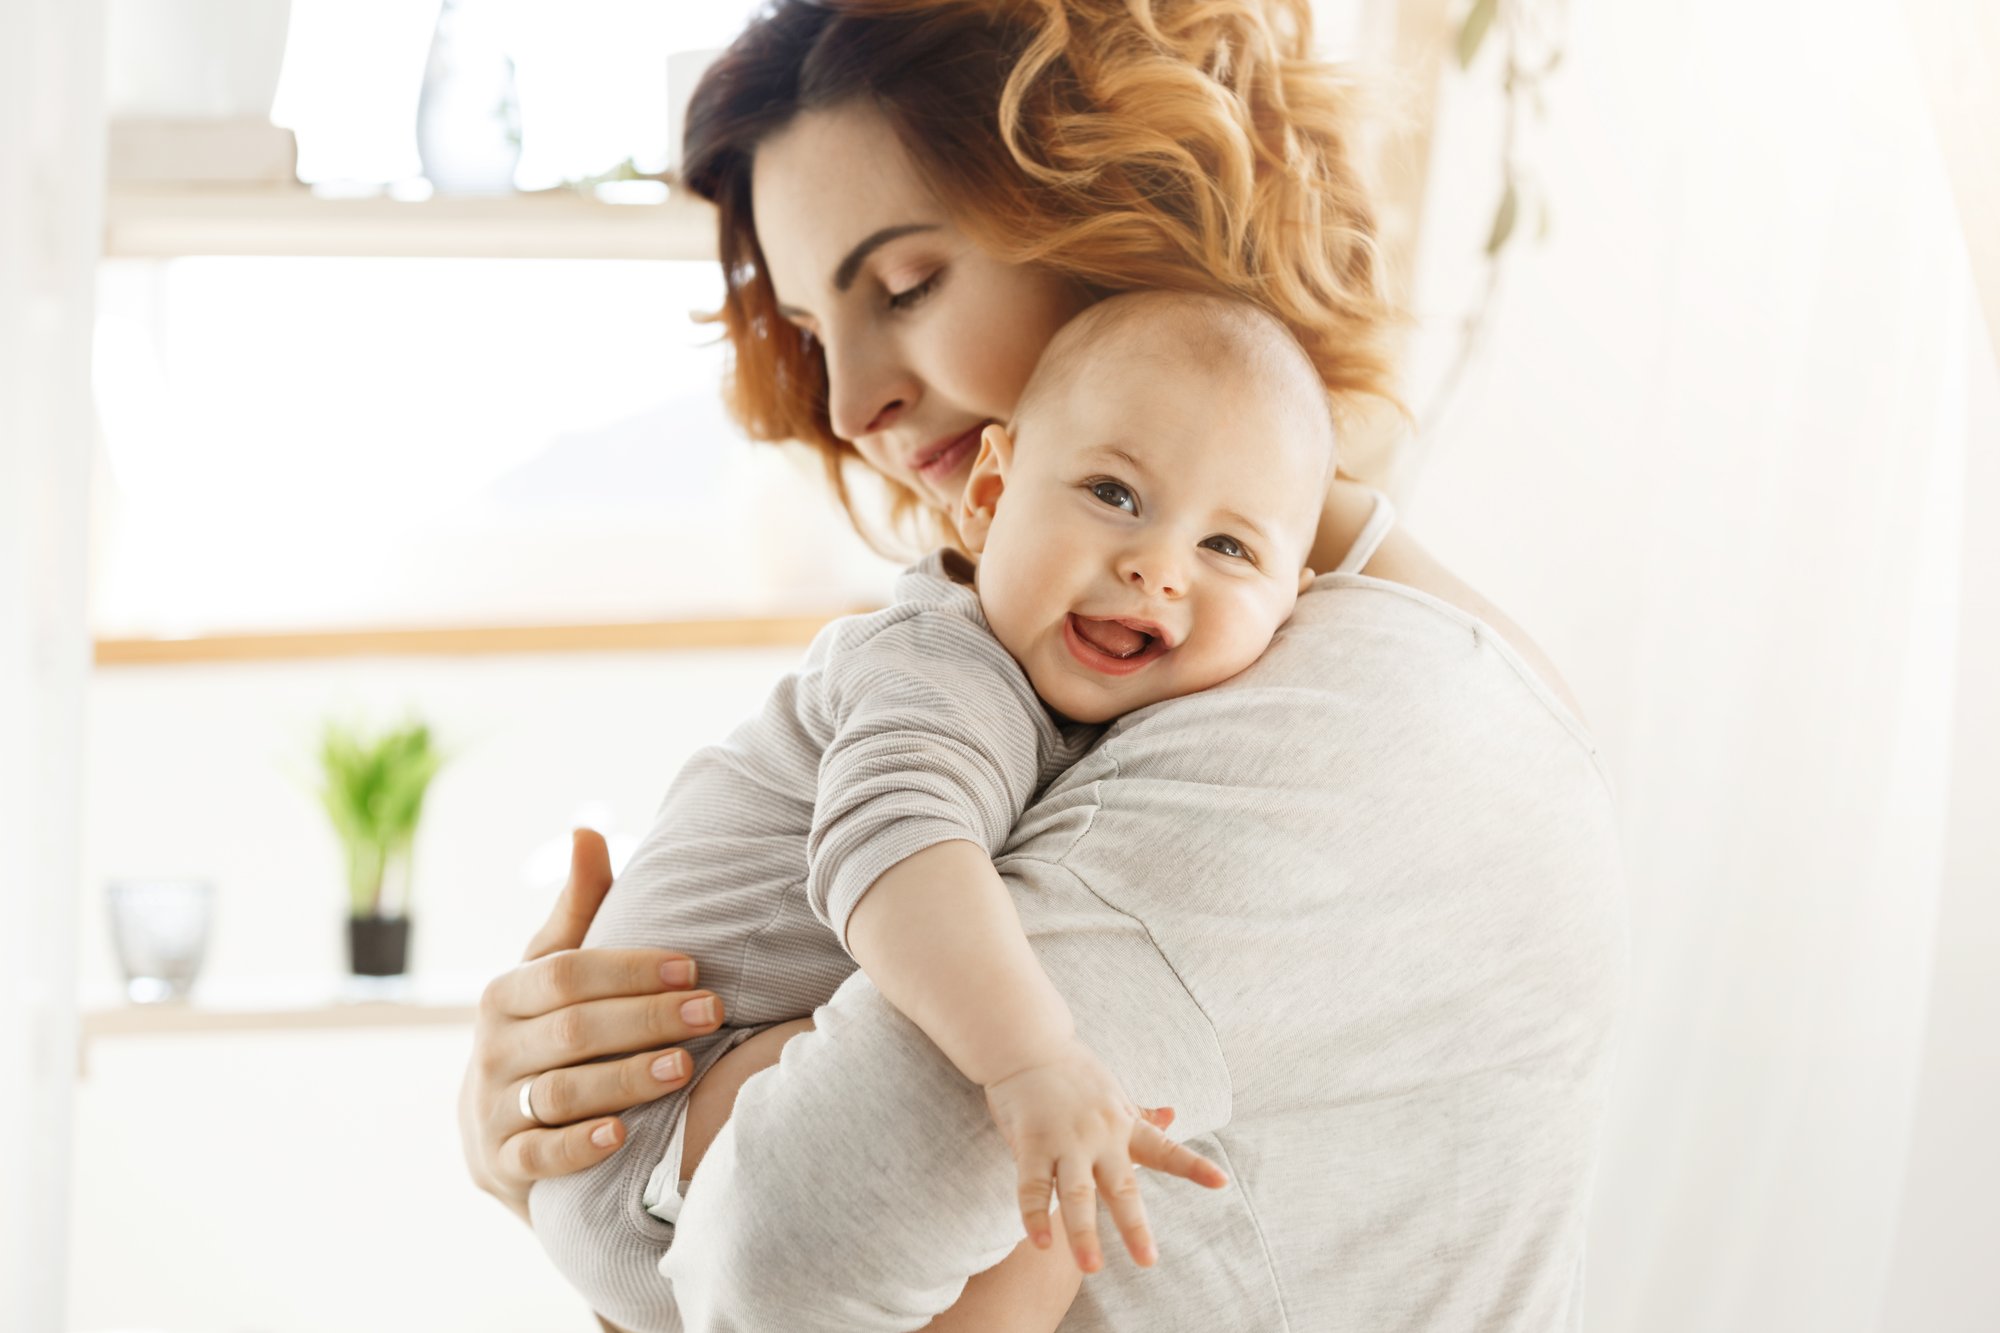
<point>927,338</point>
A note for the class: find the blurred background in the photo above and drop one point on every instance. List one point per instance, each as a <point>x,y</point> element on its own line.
<point>356,438</point>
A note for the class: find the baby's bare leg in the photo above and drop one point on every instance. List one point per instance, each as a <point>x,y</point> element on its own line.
<point>714,1097</point>
<point>1027,1292</point>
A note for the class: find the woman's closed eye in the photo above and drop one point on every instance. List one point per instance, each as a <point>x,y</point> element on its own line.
<point>911,297</point>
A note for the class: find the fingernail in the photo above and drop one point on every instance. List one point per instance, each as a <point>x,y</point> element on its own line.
<point>669,1066</point>
<point>699,1011</point>
<point>604,1135</point>
<point>678,973</point>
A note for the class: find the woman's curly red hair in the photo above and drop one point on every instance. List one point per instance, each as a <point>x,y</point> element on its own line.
<point>1193,145</point>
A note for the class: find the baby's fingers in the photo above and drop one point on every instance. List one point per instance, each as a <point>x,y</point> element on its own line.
<point>1121,1196</point>
<point>1151,1148</point>
<point>1033,1193</point>
<point>1079,1211</point>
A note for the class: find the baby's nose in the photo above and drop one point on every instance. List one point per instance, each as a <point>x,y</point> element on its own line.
<point>1155,572</point>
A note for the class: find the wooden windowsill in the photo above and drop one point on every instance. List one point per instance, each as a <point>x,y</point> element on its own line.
<point>639,636</point>
<point>168,222</point>
<point>326,1004</point>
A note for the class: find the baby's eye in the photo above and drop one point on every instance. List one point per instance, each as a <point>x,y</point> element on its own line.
<point>1111,491</point>
<point>1224,544</point>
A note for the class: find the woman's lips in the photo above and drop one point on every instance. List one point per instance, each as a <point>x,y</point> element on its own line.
<point>948,460</point>
<point>1083,651</point>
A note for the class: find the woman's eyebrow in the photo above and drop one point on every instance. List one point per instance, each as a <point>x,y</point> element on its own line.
<point>850,267</point>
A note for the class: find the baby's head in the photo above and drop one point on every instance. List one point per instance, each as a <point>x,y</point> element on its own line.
<point>1143,523</point>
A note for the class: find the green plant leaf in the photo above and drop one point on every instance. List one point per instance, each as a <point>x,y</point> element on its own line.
<point>1473,31</point>
<point>373,792</point>
<point>1503,220</point>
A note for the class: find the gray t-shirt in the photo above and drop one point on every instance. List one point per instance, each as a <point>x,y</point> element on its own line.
<point>1382,868</point>
<point>1357,914</point>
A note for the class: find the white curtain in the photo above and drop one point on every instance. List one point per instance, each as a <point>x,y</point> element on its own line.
<point>51,208</point>
<point>1729,454</point>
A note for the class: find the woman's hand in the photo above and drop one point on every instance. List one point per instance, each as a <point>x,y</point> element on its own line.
<point>1067,1118</point>
<point>548,1018</point>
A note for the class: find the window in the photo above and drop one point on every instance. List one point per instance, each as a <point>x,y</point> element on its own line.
<point>328,442</point>
<point>591,77</point>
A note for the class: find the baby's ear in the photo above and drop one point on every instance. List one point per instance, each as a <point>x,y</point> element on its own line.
<point>1306,576</point>
<point>981,497</point>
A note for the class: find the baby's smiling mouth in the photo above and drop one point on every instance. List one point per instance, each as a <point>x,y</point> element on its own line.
<point>1112,647</point>
<point>1111,638</point>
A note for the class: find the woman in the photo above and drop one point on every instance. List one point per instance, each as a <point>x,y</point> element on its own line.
<point>1355,914</point>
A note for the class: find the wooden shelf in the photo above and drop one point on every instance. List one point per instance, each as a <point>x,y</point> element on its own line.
<point>161,222</point>
<point>154,1019</point>
<point>643,636</point>
<point>330,1004</point>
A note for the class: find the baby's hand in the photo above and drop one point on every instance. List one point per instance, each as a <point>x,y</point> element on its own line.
<point>1067,1118</point>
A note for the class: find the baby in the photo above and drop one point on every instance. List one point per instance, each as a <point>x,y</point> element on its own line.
<point>1141,529</point>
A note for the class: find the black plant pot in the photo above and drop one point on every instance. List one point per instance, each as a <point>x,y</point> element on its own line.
<point>378,946</point>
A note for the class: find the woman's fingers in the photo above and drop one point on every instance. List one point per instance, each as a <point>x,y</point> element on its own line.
<point>1152,1149</point>
<point>1078,1192</point>
<point>1128,1213</point>
<point>614,1025</point>
<point>539,1154</point>
<point>576,906</point>
<point>541,986</point>
<point>565,1096</point>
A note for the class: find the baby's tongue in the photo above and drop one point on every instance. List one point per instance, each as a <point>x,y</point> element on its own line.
<point>1108,636</point>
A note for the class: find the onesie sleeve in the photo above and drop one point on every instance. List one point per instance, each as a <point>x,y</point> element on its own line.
<point>936,736</point>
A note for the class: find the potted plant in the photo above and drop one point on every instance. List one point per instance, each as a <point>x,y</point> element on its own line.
<point>374,791</point>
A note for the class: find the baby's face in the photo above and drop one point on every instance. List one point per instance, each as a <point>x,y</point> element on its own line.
<point>1145,536</point>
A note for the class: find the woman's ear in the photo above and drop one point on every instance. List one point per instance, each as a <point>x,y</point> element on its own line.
<point>981,497</point>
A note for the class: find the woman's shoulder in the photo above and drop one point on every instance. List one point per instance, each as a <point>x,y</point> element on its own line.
<point>1402,561</point>
<point>1370,672</point>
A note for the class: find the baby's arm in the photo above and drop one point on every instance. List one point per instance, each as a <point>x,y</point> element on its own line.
<point>938,935</point>
<point>935,743</point>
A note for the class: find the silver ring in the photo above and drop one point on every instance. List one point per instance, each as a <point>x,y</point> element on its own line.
<point>528,1103</point>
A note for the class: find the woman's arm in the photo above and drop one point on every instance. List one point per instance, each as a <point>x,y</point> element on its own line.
<point>546,1019</point>
<point>1400,559</point>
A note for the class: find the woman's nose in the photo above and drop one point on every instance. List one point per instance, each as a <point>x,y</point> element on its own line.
<point>867,388</point>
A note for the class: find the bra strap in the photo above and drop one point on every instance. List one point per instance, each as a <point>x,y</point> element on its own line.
<point>1379,522</point>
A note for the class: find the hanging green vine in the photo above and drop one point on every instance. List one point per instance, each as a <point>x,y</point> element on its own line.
<point>1530,53</point>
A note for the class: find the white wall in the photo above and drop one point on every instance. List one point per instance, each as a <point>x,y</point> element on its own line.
<point>207,771</point>
<point>313,1182</point>
<point>51,209</point>
<point>299,1184</point>
<point>1727,454</point>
